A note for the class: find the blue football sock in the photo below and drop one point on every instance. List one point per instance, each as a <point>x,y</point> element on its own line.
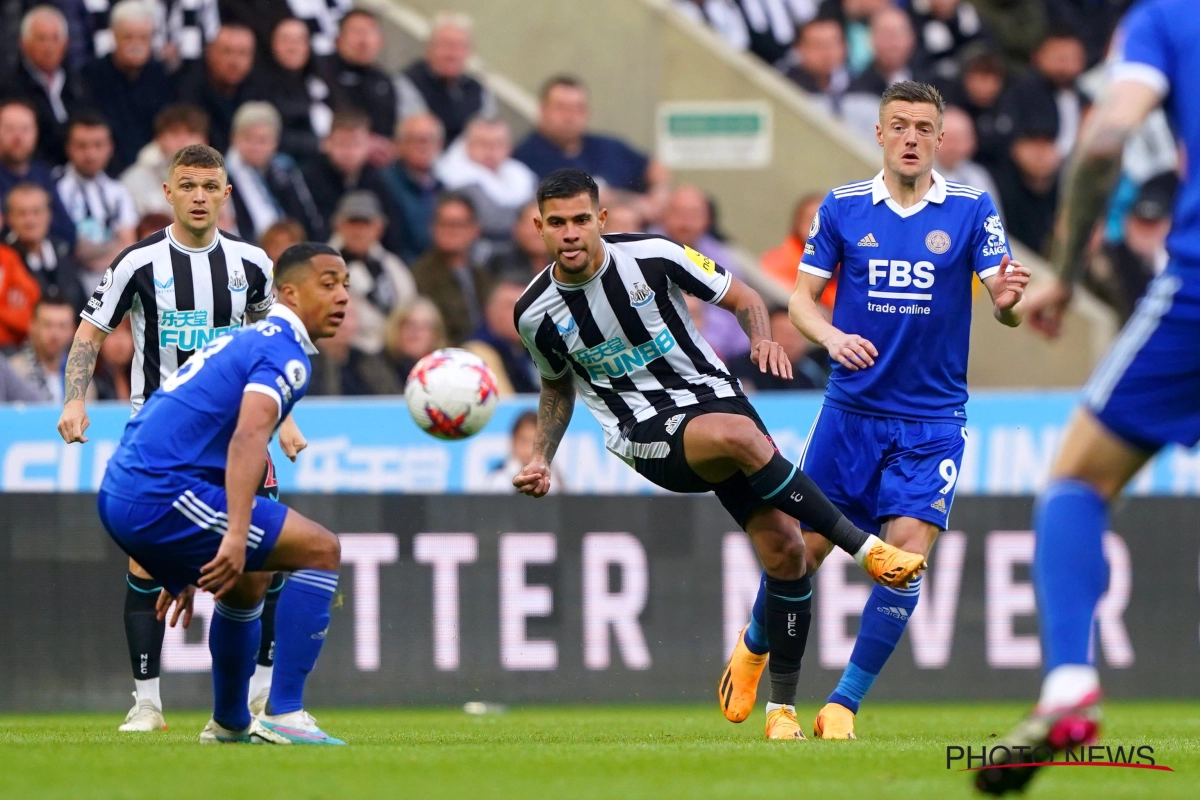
<point>301,621</point>
<point>233,636</point>
<point>1070,573</point>
<point>884,619</point>
<point>756,634</point>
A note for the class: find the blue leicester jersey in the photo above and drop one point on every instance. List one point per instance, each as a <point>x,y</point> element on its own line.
<point>1159,45</point>
<point>905,285</point>
<point>181,436</point>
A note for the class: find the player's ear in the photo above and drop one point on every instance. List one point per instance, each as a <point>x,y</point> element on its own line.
<point>602,217</point>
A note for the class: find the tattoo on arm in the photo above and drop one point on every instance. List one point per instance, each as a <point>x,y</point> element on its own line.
<point>555,406</point>
<point>755,321</point>
<point>1089,183</point>
<point>81,361</point>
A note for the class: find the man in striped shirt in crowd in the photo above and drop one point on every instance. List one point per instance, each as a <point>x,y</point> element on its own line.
<point>182,286</point>
<point>608,320</point>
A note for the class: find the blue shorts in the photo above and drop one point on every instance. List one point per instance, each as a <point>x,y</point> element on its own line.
<point>173,540</point>
<point>1146,390</point>
<point>873,468</point>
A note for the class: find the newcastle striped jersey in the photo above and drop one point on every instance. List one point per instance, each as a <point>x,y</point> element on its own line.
<point>626,334</point>
<point>179,299</point>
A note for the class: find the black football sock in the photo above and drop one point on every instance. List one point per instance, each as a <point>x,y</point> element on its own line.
<point>143,631</point>
<point>784,486</point>
<point>266,647</point>
<point>789,612</point>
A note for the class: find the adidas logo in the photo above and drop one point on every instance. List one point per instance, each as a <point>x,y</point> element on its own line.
<point>939,505</point>
<point>893,611</point>
<point>868,241</point>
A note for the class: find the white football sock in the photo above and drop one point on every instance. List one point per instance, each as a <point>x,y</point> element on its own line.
<point>260,681</point>
<point>147,690</point>
<point>1067,684</point>
<point>861,555</point>
<point>772,706</point>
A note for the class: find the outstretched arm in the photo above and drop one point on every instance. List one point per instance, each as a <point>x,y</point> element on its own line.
<point>1091,178</point>
<point>751,312</point>
<point>81,362</point>
<point>555,406</point>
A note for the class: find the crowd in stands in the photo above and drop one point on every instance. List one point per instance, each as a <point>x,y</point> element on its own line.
<point>417,180</point>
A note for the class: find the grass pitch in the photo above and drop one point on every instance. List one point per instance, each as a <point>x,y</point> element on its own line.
<point>574,753</point>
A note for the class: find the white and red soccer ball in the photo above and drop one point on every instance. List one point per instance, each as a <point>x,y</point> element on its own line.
<point>451,393</point>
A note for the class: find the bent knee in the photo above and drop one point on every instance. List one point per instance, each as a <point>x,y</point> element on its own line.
<point>329,551</point>
<point>741,438</point>
<point>785,560</point>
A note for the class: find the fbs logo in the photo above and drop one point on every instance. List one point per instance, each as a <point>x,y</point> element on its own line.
<point>673,423</point>
<point>868,241</point>
<point>939,505</point>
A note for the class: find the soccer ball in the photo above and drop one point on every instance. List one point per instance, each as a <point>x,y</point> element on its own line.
<point>451,393</point>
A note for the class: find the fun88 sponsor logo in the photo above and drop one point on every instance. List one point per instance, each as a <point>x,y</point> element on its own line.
<point>187,330</point>
<point>614,358</point>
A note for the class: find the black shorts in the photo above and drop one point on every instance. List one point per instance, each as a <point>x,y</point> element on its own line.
<point>671,470</point>
<point>270,487</point>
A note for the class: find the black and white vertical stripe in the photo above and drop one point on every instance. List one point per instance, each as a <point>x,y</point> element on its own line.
<point>557,322</point>
<point>176,296</point>
<point>322,18</point>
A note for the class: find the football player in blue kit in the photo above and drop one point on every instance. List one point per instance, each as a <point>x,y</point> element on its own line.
<point>1143,396</point>
<point>179,497</point>
<point>888,441</point>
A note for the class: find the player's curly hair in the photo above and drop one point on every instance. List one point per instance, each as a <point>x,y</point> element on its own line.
<point>197,155</point>
<point>913,92</point>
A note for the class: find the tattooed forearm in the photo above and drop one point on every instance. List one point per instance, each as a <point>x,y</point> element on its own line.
<point>555,406</point>
<point>755,321</point>
<point>78,373</point>
<point>255,316</point>
<point>1090,181</point>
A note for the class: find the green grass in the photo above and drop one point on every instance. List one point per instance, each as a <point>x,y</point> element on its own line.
<point>574,753</point>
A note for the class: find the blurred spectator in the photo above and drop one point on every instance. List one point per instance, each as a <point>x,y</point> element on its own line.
<point>182,28</point>
<point>379,280</point>
<point>354,75</point>
<point>983,80</point>
<point>782,263</point>
<point>338,369</point>
<point>175,128</point>
<point>953,157</point>
<point>280,236</point>
<point>498,343</point>
<point>723,16</point>
<point>27,212</point>
<point>773,26</point>
<point>267,185</point>
<point>810,365</point>
<point>42,360</point>
<point>111,378</point>
<point>894,46</point>
<point>79,31</point>
<point>439,83</point>
<point>1049,90</point>
<point>19,292</point>
<point>687,220</point>
<point>446,275</point>
<point>219,85</point>
<point>499,478</point>
<point>18,138</point>
<point>1028,183</point>
<point>855,16</point>
<point>319,17</point>
<point>412,183</point>
<point>526,255</point>
<point>1017,27</point>
<point>52,89</point>
<point>414,330</point>
<point>561,140</point>
<point>621,219</point>
<point>343,166</point>
<point>153,223</point>
<point>945,29</point>
<point>322,19</point>
<point>287,78</point>
<point>14,388</point>
<point>127,85</point>
<point>480,165</point>
<point>1092,20</point>
<point>1120,272</point>
<point>102,209</point>
<point>821,71</point>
